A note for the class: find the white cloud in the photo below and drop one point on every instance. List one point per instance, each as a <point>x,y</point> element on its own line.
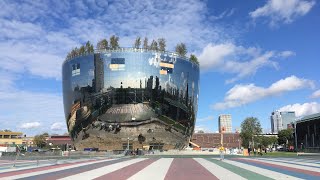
<point>283,11</point>
<point>30,125</point>
<point>208,118</point>
<point>42,35</point>
<point>238,60</point>
<point>316,94</point>
<point>224,14</point>
<point>58,126</point>
<point>286,54</point>
<point>302,109</point>
<point>246,93</point>
<point>17,107</point>
<point>201,128</point>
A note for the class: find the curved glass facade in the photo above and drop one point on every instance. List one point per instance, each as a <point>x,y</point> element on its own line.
<point>143,97</point>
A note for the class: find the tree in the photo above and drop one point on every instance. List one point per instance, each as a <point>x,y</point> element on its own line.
<point>162,44</point>
<point>45,134</point>
<point>82,50</point>
<point>87,47</point>
<point>250,127</point>
<point>102,44</point>
<point>285,137</point>
<point>200,131</point>
<point>137,43</point>
<point>114,42</point>
<point>145,43</point>
<point>181,49</point>
<point>76,50</point>
<point>194,59</point>
<point>7,130</point>
<point>154,45</point>
<point>39,140</point>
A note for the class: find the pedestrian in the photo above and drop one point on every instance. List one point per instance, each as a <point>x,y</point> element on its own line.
<point>249,151</point>
<point>221,150</point>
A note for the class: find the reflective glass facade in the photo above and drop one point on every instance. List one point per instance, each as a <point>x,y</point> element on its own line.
<point>114,96</point>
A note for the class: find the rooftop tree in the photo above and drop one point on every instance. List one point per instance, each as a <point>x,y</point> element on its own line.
<point>194,59</point>
<point>114,42</point>
<point>162,44</point>
<point>181,49</point>
<point>82,50</point>
<point>145,43</point>
<point>89,47</point>
<point>154,45</point>
<point>137,43</point>
<point>102,44</point>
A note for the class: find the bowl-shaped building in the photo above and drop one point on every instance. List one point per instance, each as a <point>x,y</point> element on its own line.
<point>130,98</point>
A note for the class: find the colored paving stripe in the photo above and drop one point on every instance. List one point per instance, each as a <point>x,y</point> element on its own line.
<point>187,168</point>
<point>154,171</point>
<point>36,169</point>
<point>296,167</point>
<point>238,170</point>
<point>262,171</point>
<point>218,171</point>
<point>72,171</point>
<point>128,171</point>
<point>95,173</point>
<point>299,173</point>
<point>305,164</point>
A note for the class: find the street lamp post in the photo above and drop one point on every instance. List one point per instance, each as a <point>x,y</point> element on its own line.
<point>128,144</point>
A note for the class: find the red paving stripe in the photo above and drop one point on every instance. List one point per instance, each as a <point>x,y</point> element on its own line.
<point>128,171</point>
<point>18,172</point>
<point>188,168</point>
<point>308,172</point>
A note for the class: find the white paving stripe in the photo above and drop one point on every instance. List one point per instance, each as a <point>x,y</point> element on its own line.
<point>290,165</point>
<point>298,159</point>
<point>155,171</point>
<point>54,169</point>
<point>288,161</point>
<point>264,172</point>
<point>218,171</point>
<point>103,170</point>
<point>34,165</point>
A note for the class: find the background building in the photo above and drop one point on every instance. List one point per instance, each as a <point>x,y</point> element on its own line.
<point>225,123</point>
<point>213,140</point>
<point>10,138</point>
<point>281,120</point>
<point>308,133</point>
<point>139,97</point>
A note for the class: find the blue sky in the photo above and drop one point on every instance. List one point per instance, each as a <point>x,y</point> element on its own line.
<point>255,57</point>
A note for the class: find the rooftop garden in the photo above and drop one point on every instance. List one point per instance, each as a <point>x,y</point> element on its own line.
<point>113,44</point>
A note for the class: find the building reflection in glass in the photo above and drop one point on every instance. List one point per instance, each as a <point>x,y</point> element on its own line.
<point>116,91</point>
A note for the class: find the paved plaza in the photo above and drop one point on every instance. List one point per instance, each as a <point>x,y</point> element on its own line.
<point>161,167</point>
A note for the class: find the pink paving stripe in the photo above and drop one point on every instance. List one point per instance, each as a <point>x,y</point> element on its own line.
<point>18,172</point>
<point>308,172</point>
<point>187,168</point>
<point>128,171</point>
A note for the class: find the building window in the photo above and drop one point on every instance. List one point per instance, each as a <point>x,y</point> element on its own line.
<point>125,145</point>
<point>117,64</point>
<point>7,136</point>
<point>76,69</point>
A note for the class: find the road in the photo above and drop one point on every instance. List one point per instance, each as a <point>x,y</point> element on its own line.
<point>161,167</point>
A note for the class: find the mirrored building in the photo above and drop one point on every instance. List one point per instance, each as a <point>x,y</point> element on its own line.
<point>130,98</point>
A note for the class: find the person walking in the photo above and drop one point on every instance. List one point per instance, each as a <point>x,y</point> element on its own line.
<point>221,150</point>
